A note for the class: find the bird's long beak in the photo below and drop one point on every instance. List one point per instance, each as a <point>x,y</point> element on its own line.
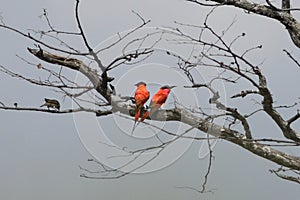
<point>172,86</point>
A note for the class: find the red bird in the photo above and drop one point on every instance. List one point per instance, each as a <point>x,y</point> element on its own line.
<point>141,96</point>
<point>158,100</point>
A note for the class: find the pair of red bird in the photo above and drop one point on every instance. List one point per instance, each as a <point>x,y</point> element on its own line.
<point>142,95</point>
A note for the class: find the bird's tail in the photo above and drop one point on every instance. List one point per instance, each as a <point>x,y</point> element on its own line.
<point>137,115</point>
<point>136,118</point>
<point>134,126</point>
<point>136,122</point>
<point>145,115</point>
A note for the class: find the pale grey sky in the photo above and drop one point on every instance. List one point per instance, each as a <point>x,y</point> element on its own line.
<point>40,153</point>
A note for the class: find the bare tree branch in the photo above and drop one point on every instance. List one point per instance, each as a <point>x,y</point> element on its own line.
<point>201,4</point>
<point>52,29</point>
<point>291,56</point>
<point>91,51</point>
<point>285,18</point>
<point>41,42</point>
<point>294,118</point>
<point>245,93</point>
<point>208,168</point>
<point>286,177</point>
<point>97,112</point>
<point>80,27</point>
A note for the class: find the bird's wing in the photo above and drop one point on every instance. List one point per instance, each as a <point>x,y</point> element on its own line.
<point>159,99</point>
<point>141,97</point>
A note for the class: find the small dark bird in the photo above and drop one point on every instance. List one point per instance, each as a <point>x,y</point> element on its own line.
<point>51,103</point>
<point>16,105</point>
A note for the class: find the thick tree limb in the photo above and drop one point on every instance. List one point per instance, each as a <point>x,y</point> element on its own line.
<point>74,64</point>
<point>239,139</point>
<point>215,130</point>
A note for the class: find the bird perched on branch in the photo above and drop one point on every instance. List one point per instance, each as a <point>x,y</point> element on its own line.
<point>157,101</point>
<point>141,96</point>
<point>51,103</point>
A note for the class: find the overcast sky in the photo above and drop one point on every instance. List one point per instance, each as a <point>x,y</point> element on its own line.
<point>40,153</point>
